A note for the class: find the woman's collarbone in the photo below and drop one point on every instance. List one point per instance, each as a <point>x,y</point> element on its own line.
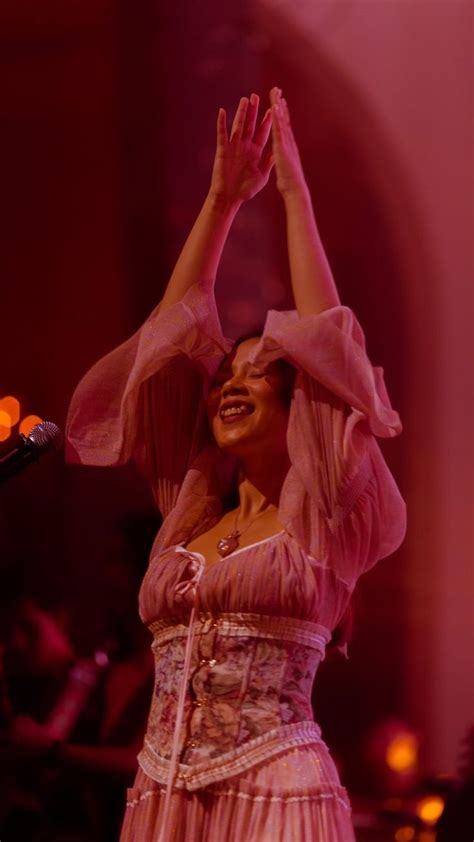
<point>206,543</point>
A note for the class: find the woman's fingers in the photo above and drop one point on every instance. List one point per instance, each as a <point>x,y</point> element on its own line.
<point>282,130</point>
<point>267,162</point>
<point>275,99</point>
<point>275,95</point>
<point>264,129</point>
<point>251,118</point>
<point>245,121</point>
<point>276,124</point>
<point>222,137</point>
<point>287,120</point>
<point>239,119</point>
<point>284,111</point>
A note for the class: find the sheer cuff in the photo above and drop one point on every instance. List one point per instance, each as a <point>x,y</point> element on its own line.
<point>103,419</point>
<point>330,347</point>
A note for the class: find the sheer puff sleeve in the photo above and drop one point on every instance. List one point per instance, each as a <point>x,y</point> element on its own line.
<point>339,499</point>
<point>144,399</point>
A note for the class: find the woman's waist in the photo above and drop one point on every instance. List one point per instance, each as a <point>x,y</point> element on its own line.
<point>242,624</point>
<point>199,769</point>
<point>236,687</point>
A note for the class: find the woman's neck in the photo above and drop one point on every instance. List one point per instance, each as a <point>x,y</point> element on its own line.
<point>260,485</point>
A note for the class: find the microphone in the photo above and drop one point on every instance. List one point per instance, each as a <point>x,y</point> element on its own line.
<point>43,437</point>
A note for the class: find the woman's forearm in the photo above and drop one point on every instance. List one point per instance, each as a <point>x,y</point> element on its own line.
<point>242,165</point>
<point>202,251</point>
<point>314,289</point>
<point>313,285</point>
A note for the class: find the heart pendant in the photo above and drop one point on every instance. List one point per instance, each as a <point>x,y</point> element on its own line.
<point>227,545</point>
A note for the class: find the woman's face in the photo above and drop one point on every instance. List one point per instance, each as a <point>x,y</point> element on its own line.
<point>246,407</point>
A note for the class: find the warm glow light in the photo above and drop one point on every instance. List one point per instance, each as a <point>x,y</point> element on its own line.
<point>5,433</point>
<point>402,753</point>
<point>10,406</point>
<point>5,419</point>
<point>429,809</point>
<point>405,834</point>
<point>28,423</point>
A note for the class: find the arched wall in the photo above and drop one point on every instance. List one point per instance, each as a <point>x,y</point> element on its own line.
<point>109,119</point>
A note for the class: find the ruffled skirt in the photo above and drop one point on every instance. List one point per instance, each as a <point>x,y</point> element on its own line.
<point>293,797</point>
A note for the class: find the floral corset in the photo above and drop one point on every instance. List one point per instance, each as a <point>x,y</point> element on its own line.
<point>231,689</point>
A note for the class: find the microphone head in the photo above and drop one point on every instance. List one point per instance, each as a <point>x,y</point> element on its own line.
<point>46,435</point>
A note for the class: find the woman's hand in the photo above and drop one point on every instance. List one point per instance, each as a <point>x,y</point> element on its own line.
<point>241,168</point>
<point>243,161</point>
<point>289,170</point>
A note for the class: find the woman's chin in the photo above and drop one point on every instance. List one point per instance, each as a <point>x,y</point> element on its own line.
<point>236,438</point>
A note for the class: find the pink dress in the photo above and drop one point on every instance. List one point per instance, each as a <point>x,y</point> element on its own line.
<point>231,750</point>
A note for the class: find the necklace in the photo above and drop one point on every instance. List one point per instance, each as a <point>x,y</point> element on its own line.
<point>229,543</point>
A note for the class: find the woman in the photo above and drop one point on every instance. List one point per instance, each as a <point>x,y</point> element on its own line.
<point>275,499</point>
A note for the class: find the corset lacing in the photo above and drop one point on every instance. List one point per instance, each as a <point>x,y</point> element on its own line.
<point>186,591</point>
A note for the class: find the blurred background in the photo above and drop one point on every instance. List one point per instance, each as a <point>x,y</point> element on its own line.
<point>108,119</point>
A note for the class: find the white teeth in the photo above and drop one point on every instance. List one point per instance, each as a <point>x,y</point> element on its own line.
<point>235,410</point>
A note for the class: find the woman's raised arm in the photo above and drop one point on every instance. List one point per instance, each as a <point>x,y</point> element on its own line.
<point>314,289</point>
<point>241,168</point>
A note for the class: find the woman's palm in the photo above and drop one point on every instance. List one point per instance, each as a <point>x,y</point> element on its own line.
<point>243,161</point>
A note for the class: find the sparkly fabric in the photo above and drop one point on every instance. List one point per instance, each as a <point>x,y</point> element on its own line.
<point>237,644</point>
<point>294,797</point>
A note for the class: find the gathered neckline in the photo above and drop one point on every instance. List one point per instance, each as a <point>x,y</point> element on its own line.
<point>234,553</point>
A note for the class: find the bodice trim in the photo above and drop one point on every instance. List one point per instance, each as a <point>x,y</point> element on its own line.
<point>304,632</point>
<point>232,763</point>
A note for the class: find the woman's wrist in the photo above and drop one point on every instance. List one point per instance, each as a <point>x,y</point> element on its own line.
<point>297,193</point>
<point>222,204</point>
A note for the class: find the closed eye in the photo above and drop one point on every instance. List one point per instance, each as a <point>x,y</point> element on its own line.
<point>224,376</point>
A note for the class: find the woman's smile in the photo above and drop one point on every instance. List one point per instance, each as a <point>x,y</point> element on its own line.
<point>235,410</point>
<point>245,405</point>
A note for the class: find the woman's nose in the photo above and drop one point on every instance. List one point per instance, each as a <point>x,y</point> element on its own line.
<point>234,385</point>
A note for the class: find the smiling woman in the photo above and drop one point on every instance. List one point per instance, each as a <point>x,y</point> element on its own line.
<point>285,371</point>
<point>275,498</point>
<point>246,405</point>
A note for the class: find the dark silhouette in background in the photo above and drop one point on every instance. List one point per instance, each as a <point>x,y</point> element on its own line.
<point>73,722</point>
